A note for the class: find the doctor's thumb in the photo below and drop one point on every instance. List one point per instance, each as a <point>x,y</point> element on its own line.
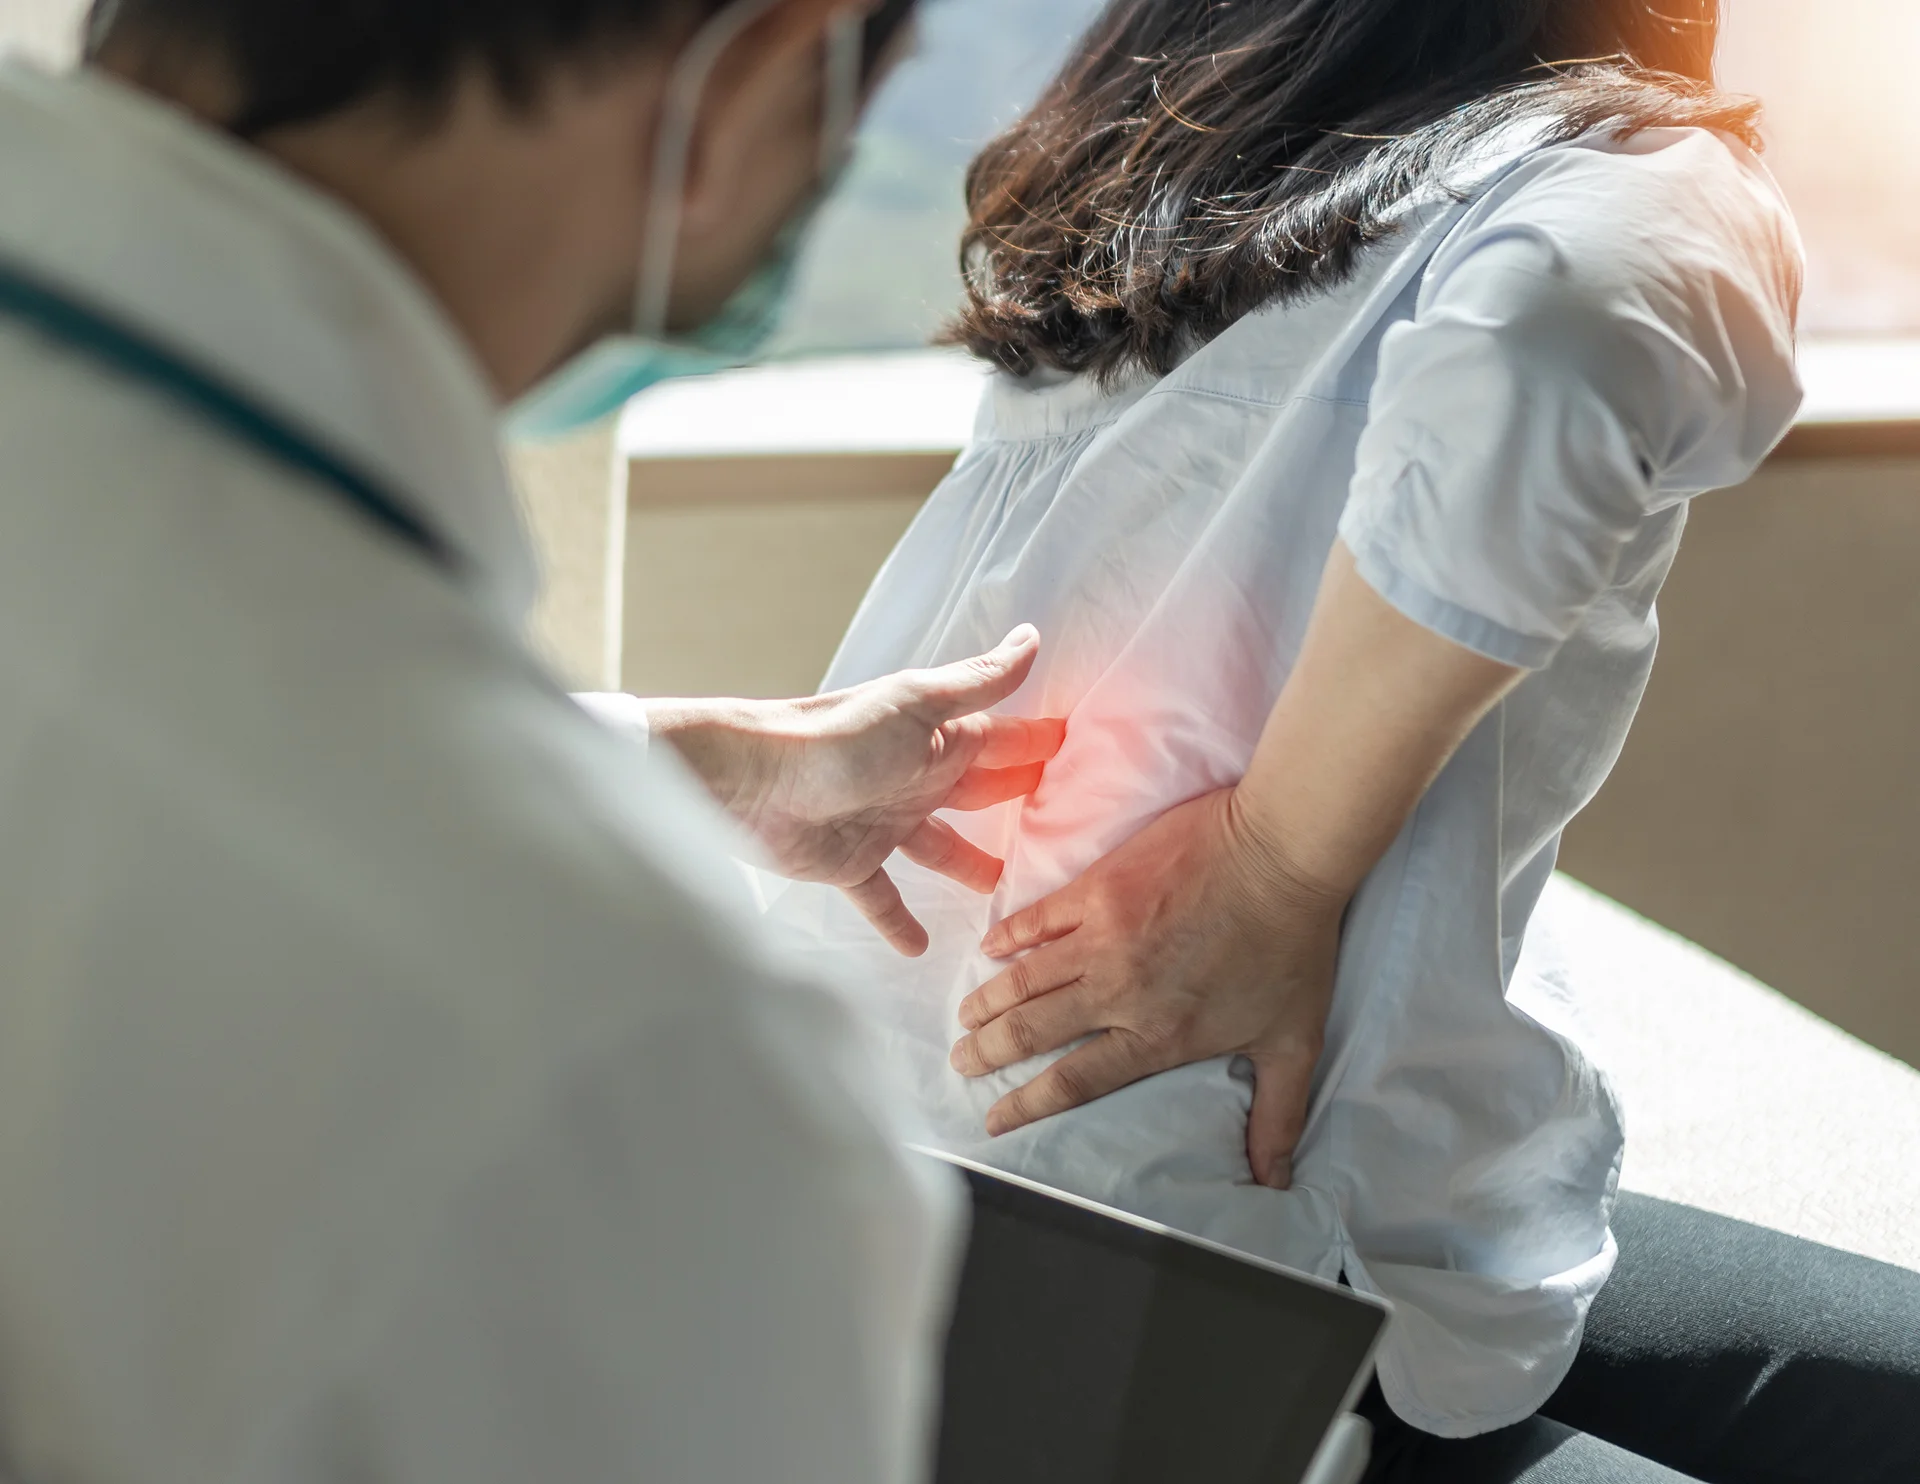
<point>1014,655</point>
<point>1282,1085</point>
<point>986,680</point>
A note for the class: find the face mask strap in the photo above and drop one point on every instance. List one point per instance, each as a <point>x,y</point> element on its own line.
<point>660,233</point>
<point>845,71</point>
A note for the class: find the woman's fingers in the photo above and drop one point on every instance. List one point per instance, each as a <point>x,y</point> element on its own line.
<point>941,849</point>
<point>1046,1022</point>
<point>1047,919</point>
<point>879,902</point>
<point>1036,974</point>
<point>982,788</point>
<point>1282,1086</point>
<point>1107,1063</point>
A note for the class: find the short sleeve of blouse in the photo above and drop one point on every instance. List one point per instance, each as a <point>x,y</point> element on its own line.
<point>1608,331</point>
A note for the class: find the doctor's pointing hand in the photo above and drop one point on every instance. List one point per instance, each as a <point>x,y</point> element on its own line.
<point>833,785</point>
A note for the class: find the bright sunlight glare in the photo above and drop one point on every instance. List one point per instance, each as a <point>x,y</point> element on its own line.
<point>1837,77</point>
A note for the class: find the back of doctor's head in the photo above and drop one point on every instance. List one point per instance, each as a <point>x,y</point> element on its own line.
<point>295,61</point>
<point>1201,158</point>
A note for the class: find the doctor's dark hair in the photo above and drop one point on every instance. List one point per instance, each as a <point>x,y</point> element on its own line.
<point>295,61</point>
<point>1201,158</point>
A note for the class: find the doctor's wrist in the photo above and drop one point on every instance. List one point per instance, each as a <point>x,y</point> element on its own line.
<point>734,747</point>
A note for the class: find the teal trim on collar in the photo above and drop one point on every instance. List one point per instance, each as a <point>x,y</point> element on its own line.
<point>73,324</point>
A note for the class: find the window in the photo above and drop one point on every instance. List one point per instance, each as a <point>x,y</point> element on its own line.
<point>1844,141</point>
<point>42,28</point>
<point>1836,76</point>
<point>882,268</point>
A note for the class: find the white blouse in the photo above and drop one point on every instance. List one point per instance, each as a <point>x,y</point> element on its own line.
<point>1503,415</point>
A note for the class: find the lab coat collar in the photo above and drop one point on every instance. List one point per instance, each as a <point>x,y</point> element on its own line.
<point>212,249</point>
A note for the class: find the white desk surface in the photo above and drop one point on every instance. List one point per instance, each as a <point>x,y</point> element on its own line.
<point>1737,1099</point>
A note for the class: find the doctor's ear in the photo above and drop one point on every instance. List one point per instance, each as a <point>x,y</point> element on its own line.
<point>757,136</point>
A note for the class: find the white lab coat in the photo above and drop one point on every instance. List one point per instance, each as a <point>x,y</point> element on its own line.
<point>389,1086</point>
<point>1504,413</point>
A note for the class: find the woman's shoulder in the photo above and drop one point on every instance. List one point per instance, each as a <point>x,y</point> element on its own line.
<point>1655,201</point>
<point>1655,275</point>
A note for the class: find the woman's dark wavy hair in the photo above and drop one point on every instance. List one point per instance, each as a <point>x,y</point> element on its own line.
<point>1201,158</point>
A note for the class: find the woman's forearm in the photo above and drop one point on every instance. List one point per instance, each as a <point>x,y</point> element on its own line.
<point>1375,707</point>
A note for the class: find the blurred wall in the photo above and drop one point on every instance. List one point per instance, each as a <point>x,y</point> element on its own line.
<point>48,29</point>
<point>748,600</point>
<point>1767,804</point>
<point>572,503</point>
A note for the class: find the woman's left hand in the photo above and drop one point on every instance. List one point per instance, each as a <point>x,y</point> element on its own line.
<point>1192,940</point>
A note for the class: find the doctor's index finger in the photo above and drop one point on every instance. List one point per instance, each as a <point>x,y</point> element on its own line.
<point>982,788</point>
<point>1012,741</point>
